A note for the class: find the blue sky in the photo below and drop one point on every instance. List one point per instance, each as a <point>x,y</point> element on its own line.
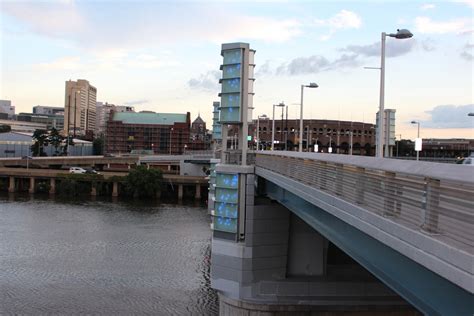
<point>165,55</point>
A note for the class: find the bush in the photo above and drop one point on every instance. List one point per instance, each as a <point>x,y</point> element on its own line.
<point>143,182</point>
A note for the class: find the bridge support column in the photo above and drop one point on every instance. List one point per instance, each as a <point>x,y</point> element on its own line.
<point>11,186</point>
<point>431,205</point>
<point>198,192</point>
<point>115,189</point>
<point>307,250</point>
<point>31,189</point>
<point>180,192</point>
<point>52,186</point>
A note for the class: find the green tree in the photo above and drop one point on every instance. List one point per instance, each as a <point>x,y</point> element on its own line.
<point>143,182</point>
<point>40,138</point>
<point>5,128</point>
<point>98,145</point>
<point>55,139</point>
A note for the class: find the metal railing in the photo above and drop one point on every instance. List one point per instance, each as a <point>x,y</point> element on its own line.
<point>438,199</point>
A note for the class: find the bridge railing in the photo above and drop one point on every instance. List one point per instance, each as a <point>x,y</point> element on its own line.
<point>437,199</point>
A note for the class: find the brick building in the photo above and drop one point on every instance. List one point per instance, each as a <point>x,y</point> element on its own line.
<point>325,133</point>
<point>160,133</point>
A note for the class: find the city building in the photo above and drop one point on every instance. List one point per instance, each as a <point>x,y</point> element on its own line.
<point>51,121</point>
<point>337,135</point>
<point>7,108</point>
<point>160,133</point>
<point>23,126</point>
<point>48,110</point>
<point>436,148</point>
<point>80,107</point>
<point>103,111</point>
<point>200,139</point>
<point>17,144</point>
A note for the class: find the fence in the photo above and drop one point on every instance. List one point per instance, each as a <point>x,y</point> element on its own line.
<point>439,199</point>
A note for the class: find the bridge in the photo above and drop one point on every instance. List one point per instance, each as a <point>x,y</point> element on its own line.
<point>408,223</point>
<point>28,178</point>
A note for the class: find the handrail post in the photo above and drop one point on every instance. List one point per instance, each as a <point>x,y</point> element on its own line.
<point>389,194</point>
<point>360,185</point>
<point>339,179</point>
<point>431,205</point>
<point>322,176</point>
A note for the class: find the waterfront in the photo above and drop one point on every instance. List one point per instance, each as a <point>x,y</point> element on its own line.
<point>102,257</point>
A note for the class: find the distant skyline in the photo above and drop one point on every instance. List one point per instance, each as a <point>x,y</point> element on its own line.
<point>164,56</point>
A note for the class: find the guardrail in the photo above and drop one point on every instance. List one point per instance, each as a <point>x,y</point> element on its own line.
<point>439,199</point>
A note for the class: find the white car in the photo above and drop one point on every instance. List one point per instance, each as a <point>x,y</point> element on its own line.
<point>77,170</point>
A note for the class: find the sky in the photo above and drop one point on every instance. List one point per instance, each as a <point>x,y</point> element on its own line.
<point>164,56</point>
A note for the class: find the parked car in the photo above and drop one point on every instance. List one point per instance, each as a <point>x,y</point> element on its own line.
<point>468,161</point>
<point>91,171</point>
<point>77,170</point>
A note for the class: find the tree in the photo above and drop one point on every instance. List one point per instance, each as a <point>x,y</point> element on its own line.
<point>55,139</point>
<point>5,128</point>
<point>98,145</point>
<point>40,138</point>
<point>143,182</point>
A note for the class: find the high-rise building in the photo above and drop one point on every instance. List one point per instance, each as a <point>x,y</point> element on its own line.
<point>6,107</point>
<point>103,111</point>
<point>79,107</point>
<point>48,110</point>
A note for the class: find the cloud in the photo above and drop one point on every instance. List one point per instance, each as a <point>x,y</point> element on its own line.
<point>427,6</point>
<point>152,23</point>
<point>264,69</point>
<point>393,48</point>
<point>352,56</point>
<point>466,2</point>
<point>426,26</point>
<point>450,116</point>
<point>208,82</point>
<point>63,63</point>
<point>467,52</point>
<point>136,102</point>
<point>110,60</point>
<point>344,19</point>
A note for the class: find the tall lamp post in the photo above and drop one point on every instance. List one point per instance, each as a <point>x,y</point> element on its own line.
<point>311,85</point>
<point>399,143</point>
<point>401,34</point>
<point>417,137</point>
<point>273,123</point>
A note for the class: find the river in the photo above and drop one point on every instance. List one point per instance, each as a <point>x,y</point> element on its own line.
<point>103,257</point>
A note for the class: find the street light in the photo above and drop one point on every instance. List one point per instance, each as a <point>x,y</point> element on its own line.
<point>470,114</point>
<point>273,123</point>
<point>401,34</point>
<point>417,139</point>
<point>399,143</point>
<point>311,85</point>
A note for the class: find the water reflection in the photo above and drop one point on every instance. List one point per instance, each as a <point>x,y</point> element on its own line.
<point>98,257</point>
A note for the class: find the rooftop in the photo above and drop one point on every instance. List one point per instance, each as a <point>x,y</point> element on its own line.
<point>149,118</point>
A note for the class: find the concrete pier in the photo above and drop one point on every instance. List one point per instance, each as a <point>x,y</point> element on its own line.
<point>31,189</point>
